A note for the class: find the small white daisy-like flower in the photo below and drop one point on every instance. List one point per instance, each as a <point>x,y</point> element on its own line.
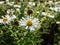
<point>9,11</point>
<point>11,17</point>
<point>58,22</point>
<point>31,4</point>
<point>51,16</point>
<point>17,6</point>
<point>57,9</point>
<point>44,13</point>
<point>1,2</point>
<point>29,22</point>
<point>50,3</point>
<point>47,14</point>
<point>5,20</point>
<point>10,3</point>
<point>17,9</point>
<point>57,3</point>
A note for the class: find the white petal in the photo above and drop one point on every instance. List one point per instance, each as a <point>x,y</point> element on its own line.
<point>27,17</point>
<point>44,13</point>
<point>33,4</point>
<point>2,16</point>
<point>56,9</point>
<point>23,23</point>
<point>31,28</point>
<point>23,18</point>
<point>7,16</point>
<point>7,22</point>
<point>17,9</point>
<point>8,11</point>
<point>17,6</point>
<point>51,16</point>
<point>30,3</point>
<point>1,2</point>
<point>58,22</point>
<point>13,16</point>
<point>10,4</point>
<point>35,20</point>
<point>51,8</point>
<point>1,21</point>
<point>26,27</point>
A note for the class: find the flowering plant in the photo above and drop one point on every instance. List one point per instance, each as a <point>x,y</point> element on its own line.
<point>29,22</point>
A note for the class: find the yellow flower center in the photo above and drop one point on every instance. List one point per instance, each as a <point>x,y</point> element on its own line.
<point>29,22</point>
<point>5,19</point>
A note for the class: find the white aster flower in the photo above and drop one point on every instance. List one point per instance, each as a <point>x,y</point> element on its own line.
<point>57,3</point>
<point>5,20</point>
<point>10,14</point>
<point>58,22</point>
<point>47,14</point>
<point>17,6</point>
<point>29,22</point>
<point>50,3</point>
<point>17,9</point>
<point>1,2</point>
<point>31,4</point>
<point>57,9</point>
<point>9,11</point>
<point>51,16</point>
<point>10,3</point>
<point>11,17</point>
<point>44,13</point>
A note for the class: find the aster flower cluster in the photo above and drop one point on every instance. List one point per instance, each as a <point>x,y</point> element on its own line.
<point>29,22</point>
<point>8,17</point>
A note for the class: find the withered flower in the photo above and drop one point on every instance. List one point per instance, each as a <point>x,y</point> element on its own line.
<point>41,1</point>
<point>41,29</point>
<point>16,22</point>
<point>29,12</point>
